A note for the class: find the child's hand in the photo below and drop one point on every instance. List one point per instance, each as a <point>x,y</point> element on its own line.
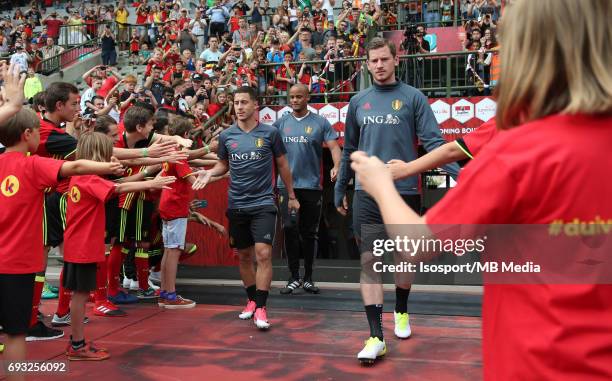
<point>162,149</point>
<point>175,157</point>
<point>115,167</point>
<point>202,179</point>
<point>187,143</point>
<point>162,182</point>
<point>13,86</point>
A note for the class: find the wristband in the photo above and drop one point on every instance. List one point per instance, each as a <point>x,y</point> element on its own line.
<point>146,173</point>
<point>145,152</point>
<point>207,147</point>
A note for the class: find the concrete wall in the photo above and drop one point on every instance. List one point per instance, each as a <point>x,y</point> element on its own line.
<point>73,73</point>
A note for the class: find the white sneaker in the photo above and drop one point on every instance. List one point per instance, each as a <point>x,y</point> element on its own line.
<point>126,283</point>
<point>134,285</point>
<point>374,348</point>
<point>153,286</point>
<point>155,277</point>
<point>402,325</point>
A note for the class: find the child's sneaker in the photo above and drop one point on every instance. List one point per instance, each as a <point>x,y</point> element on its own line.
<point>47,293</point>
<point>123,298</point>
<point>178,303</point>
<point>87,353</point>
<point>149,293</point>
<point>108,309</point>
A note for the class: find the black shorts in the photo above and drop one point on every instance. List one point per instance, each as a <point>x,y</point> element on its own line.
<point>80,276</point>
<point>16,292</point>
<point>133,224</point>
<point>113,220</point>
<point>54,218</point>
<point>366,217</point>
<point>251,225</point>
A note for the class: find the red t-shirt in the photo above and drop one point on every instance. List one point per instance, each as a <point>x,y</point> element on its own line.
<point>283,73</point>
<point>23,180</point>
<point>233,21</point>
<point>86,218</point>
<point>550,169</point>
<point>477,139</point>
<point>53,27</point>
<point>141,17</point>
<point>174,203</point>
<point>135,46</point>
<point>213,108</point>
<point>107,86</point>
<point>56,143</point>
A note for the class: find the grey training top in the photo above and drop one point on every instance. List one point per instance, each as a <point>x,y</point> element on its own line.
<point>251,158</point>
<point>304,142</point>
<point>385,121</point>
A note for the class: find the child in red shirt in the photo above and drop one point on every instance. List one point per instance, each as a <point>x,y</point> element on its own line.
<point>23,180</point>
<point>84,236</point>
<point>174,211</point>
<point>134,48</point>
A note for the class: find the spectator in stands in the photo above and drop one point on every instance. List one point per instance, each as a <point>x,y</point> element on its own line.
<point>432,12</point>
<point>304,45</point>
<point>20,58</point>
<point>33,85</point>
<point>187,41</point>
<point>155,83</point>
<point>199,28</point>
<point>212,54</point>
<point>53,25</point>
<point>121,18</point>
<point>108,44</point>
<point>97,106</point>
<point>87,96</point>
<point>34,13</point>
<point>218,18</point>
<point>423,46</point>
<point>256,14</point>
<point>50,49</point>
<point>242,34</point>
<point>320,35</point>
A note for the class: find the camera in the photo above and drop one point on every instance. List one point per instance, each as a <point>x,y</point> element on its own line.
<point>409,44</point>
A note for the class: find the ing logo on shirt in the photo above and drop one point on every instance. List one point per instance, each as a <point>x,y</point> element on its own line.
<point>75,194</point>
<point>396,105</point>
<point>9,186</point>
<point>259,142</point>
<point>308,130</point>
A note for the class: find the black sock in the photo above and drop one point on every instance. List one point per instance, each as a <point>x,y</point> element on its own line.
<point>374,314</point>
<point>251,292</point>
<point>77,344</point>
<point>261,298</point>
<point>401,299</point>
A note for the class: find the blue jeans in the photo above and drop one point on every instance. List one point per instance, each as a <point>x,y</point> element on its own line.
<point>433,18</point>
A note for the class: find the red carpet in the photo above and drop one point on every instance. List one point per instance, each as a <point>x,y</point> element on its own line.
<point>211,343</point>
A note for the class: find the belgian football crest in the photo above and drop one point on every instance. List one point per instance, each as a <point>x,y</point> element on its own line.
<point>396,104</point>
<point>259,142</point>
<point>308,130</point>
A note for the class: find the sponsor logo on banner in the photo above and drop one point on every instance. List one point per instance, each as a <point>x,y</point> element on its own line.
<point>396,104</point>
<point>462,110</point>
<point>331,113</point>
<point>344,111</point>
<point>267,115</point>
<point>441,110</point>
<point>485,109</point>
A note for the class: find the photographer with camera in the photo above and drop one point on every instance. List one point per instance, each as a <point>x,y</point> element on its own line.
<point>108,44</point>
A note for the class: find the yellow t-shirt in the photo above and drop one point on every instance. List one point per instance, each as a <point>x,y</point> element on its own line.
<point>122,16</point>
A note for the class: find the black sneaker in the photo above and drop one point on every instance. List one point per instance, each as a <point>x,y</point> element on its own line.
<point>310,287</point>
<point>292,284</point>
<point>41,332</point>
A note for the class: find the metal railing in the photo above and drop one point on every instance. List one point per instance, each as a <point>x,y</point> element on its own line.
<point>435,74</point>
<point>53,64</point>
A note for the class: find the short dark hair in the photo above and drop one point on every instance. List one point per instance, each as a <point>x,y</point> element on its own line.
<point>12,129</point>
<point>38,100</point>
<point>58,92</point>
<point>378,43</point>
<point>136,116</point>
<point>103,123</point>
<point>94,98</point>
<point>247,90</point>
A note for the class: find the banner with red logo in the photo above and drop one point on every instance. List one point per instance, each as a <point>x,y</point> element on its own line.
<point>455,116</point>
